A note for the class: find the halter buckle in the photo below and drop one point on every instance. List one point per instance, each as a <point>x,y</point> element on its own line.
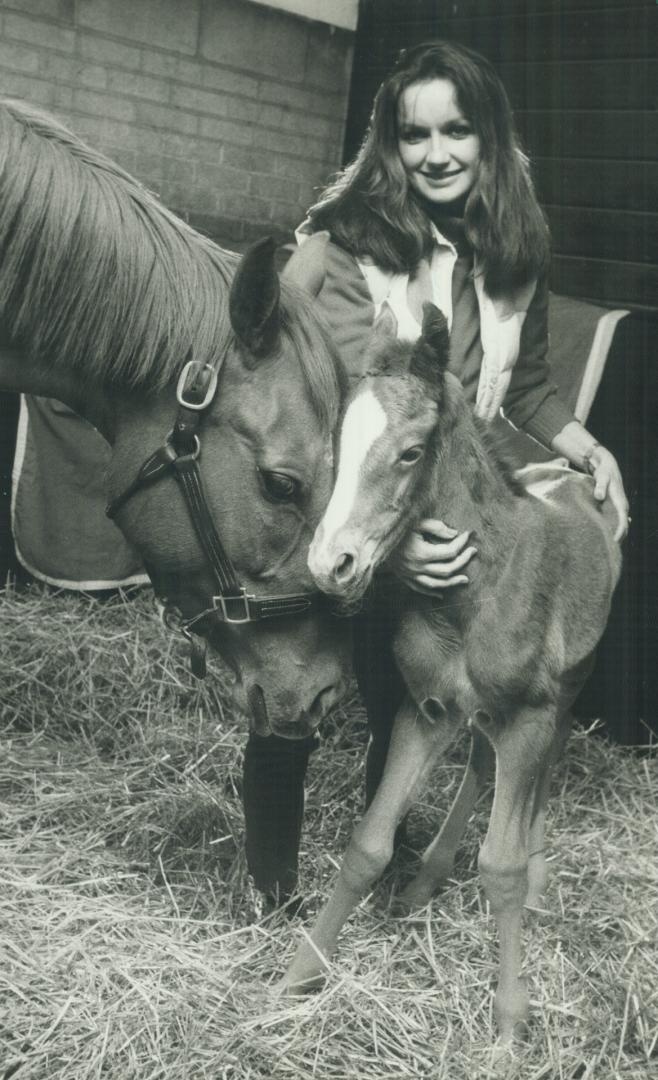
<point>195,379</point>
<point>235,609</point>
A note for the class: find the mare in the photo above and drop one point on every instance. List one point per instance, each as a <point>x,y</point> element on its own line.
<point>107,301</point>
<point>508,653</point>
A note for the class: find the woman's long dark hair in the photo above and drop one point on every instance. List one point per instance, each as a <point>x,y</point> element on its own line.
<point>371,210</point>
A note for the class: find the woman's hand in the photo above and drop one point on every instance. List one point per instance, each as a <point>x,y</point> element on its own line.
<point>608,484</point>
<point>432,557</point>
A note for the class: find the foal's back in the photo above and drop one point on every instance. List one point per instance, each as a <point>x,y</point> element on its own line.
<point>552,599</point>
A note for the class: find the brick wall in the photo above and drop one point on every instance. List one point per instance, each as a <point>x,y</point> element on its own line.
<point>232,112</point>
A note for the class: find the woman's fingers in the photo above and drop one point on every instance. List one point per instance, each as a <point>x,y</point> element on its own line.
<point>446,570</point>
<point>620,503</point>
<point>431,551</point>
<point>435,528</point>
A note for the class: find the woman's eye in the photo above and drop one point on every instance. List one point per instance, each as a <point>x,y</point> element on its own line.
<point>279,486</point>
<point>412,135</point>
<point>460,131</point>
<point>412,455</point>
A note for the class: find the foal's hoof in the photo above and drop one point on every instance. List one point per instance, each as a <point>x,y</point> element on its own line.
<point>292,987</point>
<point>416,895</point>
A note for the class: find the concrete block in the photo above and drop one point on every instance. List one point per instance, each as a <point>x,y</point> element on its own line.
<point>62,10</point>
<point>247,207</point>
<point>176,145</point>
<point>285,215</point>
<point>168,66</point>
<point>142,86</point>
<point>254,38</point>
<point>222,177</point>
<point>246,159</point>
<point>303,169</point>
<point>285,143</point>
<point>106,51</point>
<point>277,116</point>
<point>233,82</point>
<point>87,101</point>
<point>38,91</point>
<point>328,104</point>
<point>57,67</point>
<point>104,131</point>
<point>272,187</point>
<point>159,167</point>
<point>235,108</point>
<point>189,97</point>
<point>19,58</point>
<point>92,75</point>
<point>222,230</point>
<point>166,23</point>
<point>38,32</point>
<point>152,115</point>
<point>328,57</point>
<point>212,127</point>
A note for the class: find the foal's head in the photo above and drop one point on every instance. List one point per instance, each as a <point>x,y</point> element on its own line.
<point>386,452</point>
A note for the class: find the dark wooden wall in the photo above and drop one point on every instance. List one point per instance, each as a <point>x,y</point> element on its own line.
<point>581,75</point>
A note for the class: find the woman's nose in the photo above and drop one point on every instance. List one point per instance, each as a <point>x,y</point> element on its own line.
<point>437,152</point>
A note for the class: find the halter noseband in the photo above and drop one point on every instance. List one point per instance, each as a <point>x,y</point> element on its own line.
<point>195,392</point>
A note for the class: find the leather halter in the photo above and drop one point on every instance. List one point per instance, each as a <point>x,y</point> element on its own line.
<point>195,392</point>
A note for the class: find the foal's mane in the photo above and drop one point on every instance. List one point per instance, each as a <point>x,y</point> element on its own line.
<point>98,277</point>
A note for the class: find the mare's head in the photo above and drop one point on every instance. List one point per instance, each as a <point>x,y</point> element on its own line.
<point>266,464</point>
<point>385,455</point>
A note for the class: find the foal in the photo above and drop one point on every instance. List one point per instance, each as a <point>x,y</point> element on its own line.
<point>509,652</point>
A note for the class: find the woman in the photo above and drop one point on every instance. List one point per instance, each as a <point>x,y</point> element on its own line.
<point>438,204</point>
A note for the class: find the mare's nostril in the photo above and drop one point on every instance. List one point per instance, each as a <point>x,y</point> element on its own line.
<point>344,566</point>
<point>321,704</point>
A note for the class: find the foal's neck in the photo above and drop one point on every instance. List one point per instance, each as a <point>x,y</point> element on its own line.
<point>469,488</point>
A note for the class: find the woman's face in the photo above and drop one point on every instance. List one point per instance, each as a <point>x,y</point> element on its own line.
<point>438,147</point>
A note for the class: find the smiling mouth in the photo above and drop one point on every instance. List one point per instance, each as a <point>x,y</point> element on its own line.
<point>440,176</point>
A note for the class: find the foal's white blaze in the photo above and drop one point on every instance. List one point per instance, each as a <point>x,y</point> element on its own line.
<point>364,422</point>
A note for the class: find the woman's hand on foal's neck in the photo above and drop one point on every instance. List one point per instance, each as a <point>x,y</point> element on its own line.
<point>432,557</point>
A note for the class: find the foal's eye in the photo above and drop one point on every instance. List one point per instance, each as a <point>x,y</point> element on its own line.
<point>411,456</point>
<point>279,486</point>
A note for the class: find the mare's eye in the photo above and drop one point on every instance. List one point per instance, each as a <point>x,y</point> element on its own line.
<point>411,456</point>
<point>279,486</point>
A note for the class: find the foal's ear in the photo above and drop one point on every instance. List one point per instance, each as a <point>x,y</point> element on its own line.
<point>431,353</point>
<point>385,325</point>
<point>254,299</point>
<point>307,266</point>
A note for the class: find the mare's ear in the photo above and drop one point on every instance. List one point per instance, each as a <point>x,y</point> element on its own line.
<point>254,299</point>
<point>306,267</point>
<point>431,353</point>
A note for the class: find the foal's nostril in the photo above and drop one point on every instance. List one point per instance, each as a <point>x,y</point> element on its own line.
<point>344,566</point>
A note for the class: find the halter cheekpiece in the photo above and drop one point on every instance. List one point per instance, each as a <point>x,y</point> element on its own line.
<point>180,453</point>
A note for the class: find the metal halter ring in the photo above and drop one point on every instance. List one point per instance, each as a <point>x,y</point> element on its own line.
<point>189,380</point>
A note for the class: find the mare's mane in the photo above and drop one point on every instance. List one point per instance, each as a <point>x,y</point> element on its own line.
<point>96,276</point>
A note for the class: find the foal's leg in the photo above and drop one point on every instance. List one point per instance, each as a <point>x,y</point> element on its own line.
<point>537,869</point>
<point>415,743</point>
<point>522,748</point>
<point>439,858</point>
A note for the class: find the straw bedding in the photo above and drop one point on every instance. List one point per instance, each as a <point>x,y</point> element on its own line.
<point>133,946</point>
